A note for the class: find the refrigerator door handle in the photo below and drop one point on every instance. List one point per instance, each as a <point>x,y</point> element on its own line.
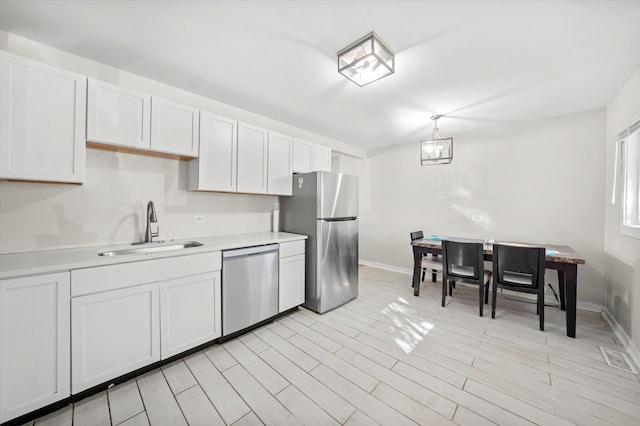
<point>338,219</point>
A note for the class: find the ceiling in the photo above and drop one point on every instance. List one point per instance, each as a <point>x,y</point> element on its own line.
<point>479,63</point>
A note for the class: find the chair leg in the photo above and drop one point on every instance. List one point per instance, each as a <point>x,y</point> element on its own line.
<point>424,271</point>
<point>434,276</point>
<point>444,290</point>
<point>541,308</point>
<point>452,285</point>
<point>494,293</point>
<point>486,294</point>
<point>480,298</point>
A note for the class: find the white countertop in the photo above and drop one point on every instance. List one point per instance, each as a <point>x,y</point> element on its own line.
<point>50,261</point>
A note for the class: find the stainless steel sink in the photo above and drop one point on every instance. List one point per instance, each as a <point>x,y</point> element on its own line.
<point>149,248</point>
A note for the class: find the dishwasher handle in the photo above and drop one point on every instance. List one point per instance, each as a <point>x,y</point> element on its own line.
<point>249,251</point>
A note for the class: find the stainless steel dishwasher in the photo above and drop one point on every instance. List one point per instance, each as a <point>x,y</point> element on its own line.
<point>249,286</point>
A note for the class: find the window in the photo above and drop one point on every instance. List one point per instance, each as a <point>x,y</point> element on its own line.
<point>629,156</point>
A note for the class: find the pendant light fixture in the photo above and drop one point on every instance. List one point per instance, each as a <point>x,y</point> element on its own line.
<point>437,150</point>
<point>366,60</point>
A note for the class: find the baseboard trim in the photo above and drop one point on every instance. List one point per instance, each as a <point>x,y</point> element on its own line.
<point>622,336</point>
<point>587,306</point>
<point>406,271</point>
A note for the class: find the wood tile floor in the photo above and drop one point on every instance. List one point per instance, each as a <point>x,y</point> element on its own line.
<point>388,358</point>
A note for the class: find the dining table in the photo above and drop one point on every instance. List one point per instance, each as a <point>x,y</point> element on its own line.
<point>561,258</point>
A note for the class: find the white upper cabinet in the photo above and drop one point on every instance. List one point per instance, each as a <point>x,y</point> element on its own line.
<point>302,156</point>
<point>309,157</point>
<point>252,159</point>
<point>240,157</point>
<point>127,118</point>
<point>42,121</point>
<point>321,158</point>
<point>215,167</point>
<point>118,116</point>
<point>174,128</point>
<point>279,168</point>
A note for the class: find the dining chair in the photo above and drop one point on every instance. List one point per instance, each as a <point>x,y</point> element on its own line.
<point>428,262</point>
<point>519,268</point>
<point>464,262</point>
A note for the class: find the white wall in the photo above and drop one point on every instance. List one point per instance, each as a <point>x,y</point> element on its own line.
<point>622,253</point>
<point>539,182</point>
<point>110,207</point>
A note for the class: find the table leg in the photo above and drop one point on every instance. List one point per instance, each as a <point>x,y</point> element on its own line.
<point>561,288</point>
<point>417,264</point>
<point>571,284</point>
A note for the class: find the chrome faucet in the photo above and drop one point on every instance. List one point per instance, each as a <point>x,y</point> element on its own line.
<point>151,217</point>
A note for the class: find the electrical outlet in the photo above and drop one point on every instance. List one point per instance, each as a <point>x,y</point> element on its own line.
<point>198,219</point>
<point>476,217</point>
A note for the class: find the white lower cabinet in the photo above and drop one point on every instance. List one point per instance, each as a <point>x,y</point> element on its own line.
<point>292,275</point>
<point>189,313</point>
<point>34,343</point>
<point>113,333</point>
<point>127,316</point>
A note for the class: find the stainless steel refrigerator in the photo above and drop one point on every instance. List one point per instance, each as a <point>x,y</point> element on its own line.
<point>324,206</point>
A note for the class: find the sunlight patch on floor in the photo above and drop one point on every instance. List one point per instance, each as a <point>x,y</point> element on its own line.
<point>407,328</point>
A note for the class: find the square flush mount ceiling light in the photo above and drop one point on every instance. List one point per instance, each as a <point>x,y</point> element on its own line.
<point>366,60</point>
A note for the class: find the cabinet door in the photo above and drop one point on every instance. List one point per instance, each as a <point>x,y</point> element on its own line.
<point>302,156</point>
<point>321,158</point>
<point>215,167</point>
<point>118,116</point>
<point>34,343</point>
<point>113,333</point>
<point>190,313</point>
<point>252,159</point>
<point>174,128</point>
<point>292,282</point>
<point>279,164</point>
<point>42,121</point>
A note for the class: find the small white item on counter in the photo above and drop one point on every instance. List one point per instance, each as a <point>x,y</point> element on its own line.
<point>275,218</point>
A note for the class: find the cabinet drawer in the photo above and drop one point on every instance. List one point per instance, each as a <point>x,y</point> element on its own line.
<point>111,277</point>
<point>291,248</point>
